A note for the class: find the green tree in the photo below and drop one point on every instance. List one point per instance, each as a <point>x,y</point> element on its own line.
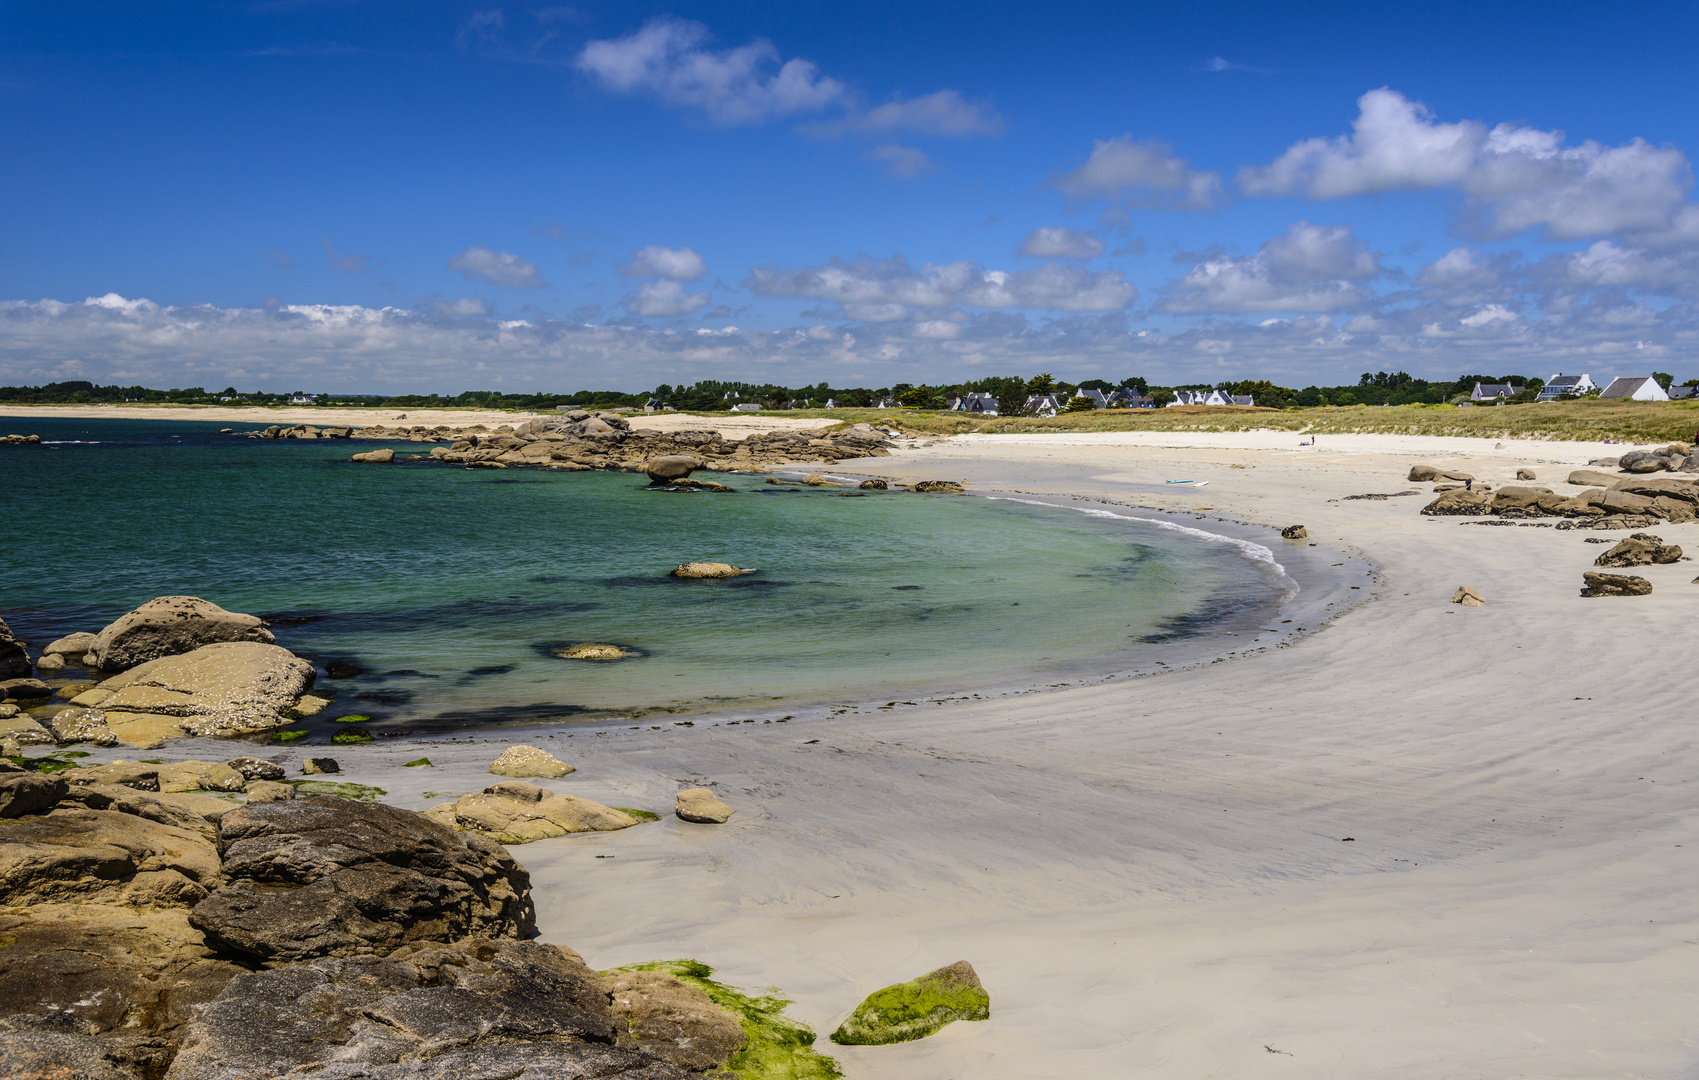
<point>1080,404</point>
<point>1041,384</point>
<point>1663,378</point>
<point>921,397</point>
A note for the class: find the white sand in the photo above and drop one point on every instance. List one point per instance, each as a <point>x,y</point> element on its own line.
<point>1150,876</point>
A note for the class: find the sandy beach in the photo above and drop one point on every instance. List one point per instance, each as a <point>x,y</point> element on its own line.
<point>1425,841</point>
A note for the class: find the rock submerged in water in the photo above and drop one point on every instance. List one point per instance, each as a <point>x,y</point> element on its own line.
<point>514,812</point>
<point>170,626</point>
<point>916,1009</point>
<point>1615,585</point>
<point>708,570</point>
<point>529,761</point>
<point>701,806</point>
<point>594,650</point>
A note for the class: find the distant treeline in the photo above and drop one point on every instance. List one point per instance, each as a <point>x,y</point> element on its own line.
<point>710,395</point>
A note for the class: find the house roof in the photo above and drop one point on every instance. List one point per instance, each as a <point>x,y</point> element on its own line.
<point>1494,389</point>
<point>1621,387</point>
<point>1565,380</point>
<point>1676,393</point>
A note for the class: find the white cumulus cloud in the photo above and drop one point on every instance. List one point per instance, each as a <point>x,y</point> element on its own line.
<point>665,299</point>
<point>676,264</point>
<point>666,58</point>
<point>943,113</point>
<point>1061,243</point>
<point>1126,170</point>
<point>1311,268</point>
<point>885,290</point>
<point>479,263</point>
<point>1513,178</point>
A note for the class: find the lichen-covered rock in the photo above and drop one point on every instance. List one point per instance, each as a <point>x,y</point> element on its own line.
<point>917,1008</point>
<point>940,487</point>
<point>1294,532</point>
<point>23,729</point>
<point>471,1010</point>
<point>169,626</point>
<point>131,774</point>
<point>333,877</point>
<point>874,485</point>
<point>658,1014</point>
<point>1614,585</point>
<point>530,761</point>
<point>76,725</point>
<point>694,570</point>
<point>701,806</point>
<point>59,1046</point>
<point>514,812</point>
<point>228,688</point>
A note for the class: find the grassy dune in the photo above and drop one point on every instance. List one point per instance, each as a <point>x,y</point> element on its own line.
<point>1630,421</point>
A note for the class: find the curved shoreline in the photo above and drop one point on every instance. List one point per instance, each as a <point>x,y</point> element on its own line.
<point>1152,877</point>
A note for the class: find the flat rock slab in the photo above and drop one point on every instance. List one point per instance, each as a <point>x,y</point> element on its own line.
<point>229,688</point>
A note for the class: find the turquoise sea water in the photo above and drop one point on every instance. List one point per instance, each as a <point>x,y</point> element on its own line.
<point>451,588</point>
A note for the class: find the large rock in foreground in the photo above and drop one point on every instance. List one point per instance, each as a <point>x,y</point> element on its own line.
<point>231,688</point>
<point>915,1009</point>
<point>168,626</point>
<point>332,877</point>
<point>661,1015</point>
<point>475,1010</point>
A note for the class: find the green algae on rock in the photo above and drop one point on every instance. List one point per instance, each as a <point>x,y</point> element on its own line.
<point>352,718</point>
<point>916,1009</point>
<point>640,815</point>
<point>338,789</point>
<point>288,736</point>
<point>350,737</point>
<point>779,1048</point>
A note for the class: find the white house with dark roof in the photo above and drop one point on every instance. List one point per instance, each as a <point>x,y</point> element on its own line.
<point>1045,404</point>
<point>1493,391</point>
<point>1210,397</point>
<point>1634,388</point>
<point>1129,399</point>
<point>1561,384</point>
<point>1683,393</point>
<point>975,402</point>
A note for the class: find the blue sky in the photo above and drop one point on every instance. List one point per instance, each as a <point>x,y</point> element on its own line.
<point>364,195</point>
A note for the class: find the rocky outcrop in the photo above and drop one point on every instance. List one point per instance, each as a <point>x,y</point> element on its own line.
<point>1420,473</point>
<point>606,441</point>
<point>514,812</point>
<point>1592,478</point>
<point>939,487</point>
<point>230,688</point>
<point>701,806</point>
<point>1641,549</point>
<point>483,1009</point>
<point>1614,585</point>
<point>1294,532</point>
<point>874,485</point>
<point>1467,597</point>
<point>664,1017</point>
<point>169,626</point>
<point>20,440</point>
<point>917,1008</point>
<point>28,793</point>
<point>375,457</point>
<point>529,761</point>
<point>253,768</point>
<point>71,854</point>
<point>333,877</point>
<point>200,776</point>
<point>1672,458</point>
<point>710,570</point>
<point>22,728</point>
<point>264,791</point>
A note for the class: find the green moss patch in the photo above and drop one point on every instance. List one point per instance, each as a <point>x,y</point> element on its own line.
<point>56,761</point>
<point>352,718</point>
<point>779,1048</point>
<point>338,789</point>
<point>414,764</point>
<point>288,736</point>
<point>350,737</point>
<point>917,1008</point>
<point>640,815</point>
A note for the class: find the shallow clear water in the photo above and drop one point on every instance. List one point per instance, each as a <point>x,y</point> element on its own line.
<point>467,580</point>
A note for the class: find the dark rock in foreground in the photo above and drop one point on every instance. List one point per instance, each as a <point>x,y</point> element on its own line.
<point>1615,585</point>
<point>329,877</point>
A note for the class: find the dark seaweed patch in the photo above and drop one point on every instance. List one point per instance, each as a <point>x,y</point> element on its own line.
<point>907,588</point>
<point>753,583</point>
<point>484,673</point>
